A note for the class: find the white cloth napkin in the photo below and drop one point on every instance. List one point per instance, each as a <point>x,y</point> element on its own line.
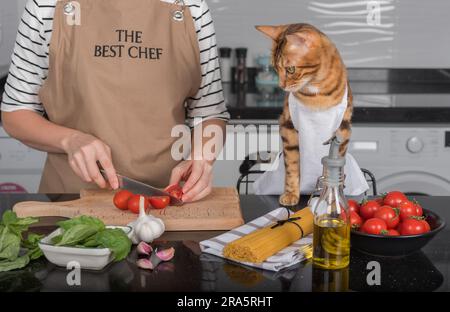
<point>286,257</point>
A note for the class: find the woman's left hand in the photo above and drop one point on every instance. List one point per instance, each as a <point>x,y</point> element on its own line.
<point>198,177</point>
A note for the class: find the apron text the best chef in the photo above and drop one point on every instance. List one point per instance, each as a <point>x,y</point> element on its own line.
<point>314,128</point>
<point>122,74</point>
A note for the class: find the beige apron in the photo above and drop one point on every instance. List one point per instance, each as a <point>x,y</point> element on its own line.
<point>122,74</point>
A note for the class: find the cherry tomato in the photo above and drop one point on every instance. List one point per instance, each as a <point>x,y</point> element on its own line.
<point>391,232</point>
<point>355,220</point>
<point>174,190</point>
<point>399,226</point>
<point>389,215</point>
<point>412,227</point>
<point>374,226</point>
<point>353,205</point>
<point>368,209</point>
<point>133,203</point>
<point>426,225</point>
<point>418,208</point>
<point>394,199</point>
<point>159,202</point>
<point>407,209</point>
<point>121,199</point>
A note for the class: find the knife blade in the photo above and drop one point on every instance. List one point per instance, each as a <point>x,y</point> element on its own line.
<point>137,187</point>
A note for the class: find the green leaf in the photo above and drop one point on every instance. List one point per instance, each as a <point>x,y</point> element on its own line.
<point>9,244</point>
<point>35,253</point>
<point>15,224</point>
<point>18,263</point>
<point>117,241</point>
<point>56,239</point>
<point>32,244</point>
<point>32,240</point>
<point>91,243</point>
<point>76,234</point>
<point>85,220</point>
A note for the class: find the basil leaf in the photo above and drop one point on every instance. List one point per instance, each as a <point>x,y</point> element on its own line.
<point>9,244</point>
<point>32,244</point>
<point>18,263</point>
<point>117,241</point>
<point>86,220</point>
<point>15,224</point>
<point>56,239</point>
<point>76,234</point>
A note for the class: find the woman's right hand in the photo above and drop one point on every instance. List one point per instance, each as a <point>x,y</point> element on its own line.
<point>84,150</point>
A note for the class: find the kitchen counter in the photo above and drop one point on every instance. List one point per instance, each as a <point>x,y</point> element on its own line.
<point>379,96</point>
<point>427,270</point>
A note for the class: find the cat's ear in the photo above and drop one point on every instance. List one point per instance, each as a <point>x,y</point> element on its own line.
<point>270,31</point>
<point>302,39</point>
<point>297,40</point>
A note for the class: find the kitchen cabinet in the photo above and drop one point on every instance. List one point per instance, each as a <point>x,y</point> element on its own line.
<point>20,165</point>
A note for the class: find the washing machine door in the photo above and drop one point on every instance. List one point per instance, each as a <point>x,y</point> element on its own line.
<point>411,182</point>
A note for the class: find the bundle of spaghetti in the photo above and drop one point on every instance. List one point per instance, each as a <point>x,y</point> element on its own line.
<point>261,244</point>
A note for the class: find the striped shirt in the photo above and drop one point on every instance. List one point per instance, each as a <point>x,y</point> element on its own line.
<point>30,61</point>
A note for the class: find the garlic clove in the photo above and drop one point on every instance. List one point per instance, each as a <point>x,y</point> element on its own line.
<point>145,264</point>
<point>166,254</point>
<point>144,249</point>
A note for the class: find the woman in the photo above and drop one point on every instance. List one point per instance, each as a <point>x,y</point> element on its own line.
<point>113,77</point>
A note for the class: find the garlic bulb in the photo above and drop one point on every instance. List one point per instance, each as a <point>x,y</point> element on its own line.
<point>146,227</point>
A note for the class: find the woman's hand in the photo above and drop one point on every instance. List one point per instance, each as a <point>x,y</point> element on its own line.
<point>84,150</point>
<point>198,177</point>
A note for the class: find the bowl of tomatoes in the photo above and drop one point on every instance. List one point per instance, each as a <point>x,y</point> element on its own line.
<point>392,225</point>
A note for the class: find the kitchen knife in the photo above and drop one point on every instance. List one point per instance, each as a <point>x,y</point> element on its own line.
<point>137,187</point>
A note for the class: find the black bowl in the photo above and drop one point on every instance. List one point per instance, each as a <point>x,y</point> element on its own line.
<point>397,245</point>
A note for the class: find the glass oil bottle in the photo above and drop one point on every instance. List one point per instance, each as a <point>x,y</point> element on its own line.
<point>331,237</point>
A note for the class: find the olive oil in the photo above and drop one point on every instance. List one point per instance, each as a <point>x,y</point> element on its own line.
<point>331,244</point>
<point>331,240</point>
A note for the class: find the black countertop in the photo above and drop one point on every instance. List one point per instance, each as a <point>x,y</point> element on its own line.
<point>427,270</point>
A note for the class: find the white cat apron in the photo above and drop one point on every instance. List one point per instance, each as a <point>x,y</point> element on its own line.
<point>315,128</point>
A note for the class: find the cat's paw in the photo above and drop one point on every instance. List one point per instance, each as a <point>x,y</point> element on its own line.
<point>289,199</point>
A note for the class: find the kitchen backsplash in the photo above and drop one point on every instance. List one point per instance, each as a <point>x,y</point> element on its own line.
<point>371,33</point>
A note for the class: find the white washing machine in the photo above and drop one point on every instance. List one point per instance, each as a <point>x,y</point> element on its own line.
<point>413,158</point>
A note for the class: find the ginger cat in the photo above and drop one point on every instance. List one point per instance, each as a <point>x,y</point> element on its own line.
<point>309,66</point>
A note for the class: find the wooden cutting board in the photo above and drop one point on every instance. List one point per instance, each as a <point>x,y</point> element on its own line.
<point>219,211</point>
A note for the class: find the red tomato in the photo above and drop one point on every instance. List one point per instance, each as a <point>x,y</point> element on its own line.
<point>399,226</point>
<point>133,203</point>
<point>368,209</point>
<point>407,209</point>
<point>355,220</point>
<point>379,200</point>
<point>353,205</point>
<point>391,232</point>
<point>426,225</point>
<point>159,202</point>
<point>389,215</point>
<point>418,208</point>
<point>121,199</point>
<point>374,226</point>
<point>412,227</point>
<point>174,190</point>
<point>394,199</point>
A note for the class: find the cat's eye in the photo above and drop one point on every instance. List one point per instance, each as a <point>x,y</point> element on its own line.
<point>290,70</point>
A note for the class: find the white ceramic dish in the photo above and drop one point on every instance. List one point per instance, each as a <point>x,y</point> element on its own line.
<point>88,258</point>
